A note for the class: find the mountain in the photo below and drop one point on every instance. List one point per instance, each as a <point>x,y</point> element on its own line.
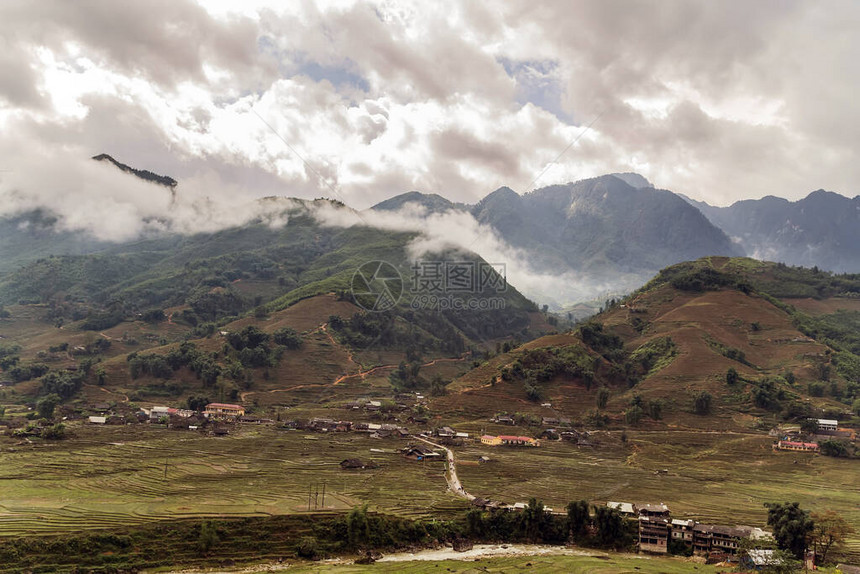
<point>141,173</point>
<point>431,202</point>
<point>608,234</point>
<point>603,225</point>
<point>679,336</point>
<point>822,229</point>
<point>28,236</point>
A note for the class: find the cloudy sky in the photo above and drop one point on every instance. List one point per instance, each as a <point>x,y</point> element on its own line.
<point>364,100</point>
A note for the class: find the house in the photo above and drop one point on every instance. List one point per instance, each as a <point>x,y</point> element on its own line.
<point>796,446</point>
<point>445,432</point>
<point>759,559</point>
<point>253,420</point>
<point>827,425</point>
<point>625,508</point>
<point>491,440</point>
<point>654,534</point>
<point>101,407</point>
<point>461,435</point>
<point>504,420</point>
<point>549,421</point>
<point>682,530</point>
<point>716,538</point>
<point>549,434</point>
<point>483,459</point>
<point>653,510</point>
<point>510,440</point>
<point>156,413</point>
<point>223,411</point>
<point>351,463</point>
<point>98,420</point>
<point>322,424</point>
<point>421,453</point>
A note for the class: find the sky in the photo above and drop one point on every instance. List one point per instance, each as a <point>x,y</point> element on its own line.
<point>360,101</point>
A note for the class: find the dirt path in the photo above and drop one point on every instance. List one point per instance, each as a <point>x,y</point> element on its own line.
<point>454,484</point>
<point>124,397</point>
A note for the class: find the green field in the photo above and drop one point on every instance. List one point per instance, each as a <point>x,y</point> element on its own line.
<point>114,476</point>
<point>598,563</point>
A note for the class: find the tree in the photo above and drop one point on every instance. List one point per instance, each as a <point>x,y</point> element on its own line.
<point>830,530</point>
<point>438,386</point>
<point>288,338</point>
<point>809,426</point>
<point>732,376</point>
<point>208,536</point>
<point>702,403</point>
<point>534,518</point>
<point>655,409</point>
<point>791,526</point>
<point>835,448</point>
<point>610,526</point>
<point>357,526</point>
<point>577,517</point>
<point>56,432</point>
<point>602,397</point>
<point>307,547</point>
<point>46,406</point>
<point>633,415</point>
<point>855,406</point>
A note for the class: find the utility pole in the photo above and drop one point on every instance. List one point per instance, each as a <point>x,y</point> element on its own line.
<point>323,496</point>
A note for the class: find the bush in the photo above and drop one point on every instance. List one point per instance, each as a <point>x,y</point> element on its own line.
<point>288,338</point>
<point>307,547</point>
<point>702,403</point>
<point>56,432</point>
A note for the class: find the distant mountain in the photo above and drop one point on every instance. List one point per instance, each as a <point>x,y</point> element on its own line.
<point>603,224</point>
<point>141,173</point>
<point>432,202</point>
<point>31,235</point>
<point>609,233</point>
<point>822,229</point>
<point>633,179</point>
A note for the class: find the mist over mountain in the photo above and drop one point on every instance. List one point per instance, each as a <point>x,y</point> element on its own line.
<point>561,244</point>
<point>822,229</point>
<point>606,234</point>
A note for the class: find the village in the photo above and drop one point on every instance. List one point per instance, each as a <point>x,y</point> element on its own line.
<point>658,532</point>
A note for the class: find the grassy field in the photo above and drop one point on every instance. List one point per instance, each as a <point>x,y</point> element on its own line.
<point>113,476</point>
<point>712,477</point>
<point>109,476</point>
<point>598,563</point>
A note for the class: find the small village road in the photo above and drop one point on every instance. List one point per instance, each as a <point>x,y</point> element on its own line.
<point>451,476</point>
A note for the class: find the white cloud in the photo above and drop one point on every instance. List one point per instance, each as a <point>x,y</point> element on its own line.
<point>717,102</point>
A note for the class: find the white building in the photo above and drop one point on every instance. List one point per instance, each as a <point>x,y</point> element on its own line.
<point>827,425</point>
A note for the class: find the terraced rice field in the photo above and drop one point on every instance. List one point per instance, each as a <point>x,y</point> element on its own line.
<point>712,477</point>
<point>105,478</point>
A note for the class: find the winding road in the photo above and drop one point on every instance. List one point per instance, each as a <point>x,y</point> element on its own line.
<point>454,484</point>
